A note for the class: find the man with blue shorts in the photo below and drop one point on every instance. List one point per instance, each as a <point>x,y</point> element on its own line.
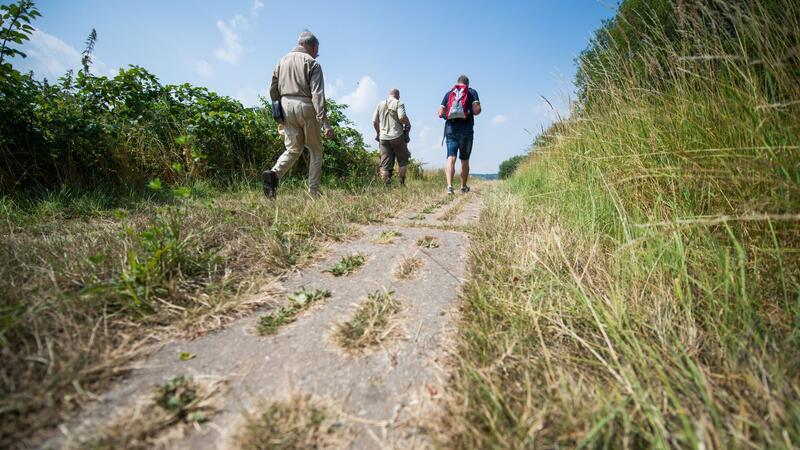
<point>459,108</point>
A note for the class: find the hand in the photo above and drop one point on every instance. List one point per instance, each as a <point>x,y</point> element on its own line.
<point>378,137</point>
<point>328,131</point>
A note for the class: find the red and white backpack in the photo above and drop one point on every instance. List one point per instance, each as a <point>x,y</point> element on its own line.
<point>457,102</point>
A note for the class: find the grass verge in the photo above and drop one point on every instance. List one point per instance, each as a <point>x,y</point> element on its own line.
<point>371,324</point>
<point>637,282</point>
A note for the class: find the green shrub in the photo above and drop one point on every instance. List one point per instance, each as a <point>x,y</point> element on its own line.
<point>85,131</point>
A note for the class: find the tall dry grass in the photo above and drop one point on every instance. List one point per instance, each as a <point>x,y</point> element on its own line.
<point>637,283</point>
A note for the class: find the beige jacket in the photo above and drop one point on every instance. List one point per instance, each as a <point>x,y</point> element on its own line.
<point>298,74</point>
<point>387,116</point>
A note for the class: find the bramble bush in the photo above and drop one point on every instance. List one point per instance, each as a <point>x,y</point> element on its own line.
<point>87,131</point>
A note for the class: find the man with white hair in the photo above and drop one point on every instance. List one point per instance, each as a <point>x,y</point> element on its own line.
<point>391,125</point>
<point>298,85</point>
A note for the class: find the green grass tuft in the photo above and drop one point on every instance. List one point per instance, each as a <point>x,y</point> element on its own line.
<point>347,265</point>
<point>298,302</point>
<point>370,325</point>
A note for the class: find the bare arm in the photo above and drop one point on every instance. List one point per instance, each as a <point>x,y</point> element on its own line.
<point>376,123</point>
<point>403,117</point>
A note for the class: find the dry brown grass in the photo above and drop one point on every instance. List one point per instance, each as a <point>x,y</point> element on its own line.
<point>373,323</point>
<point>300,422</point>
<point>408,268</point>
<point>454,210</point>
<point>151,423</point>
<point>387,237</point>
<point>635,284</point>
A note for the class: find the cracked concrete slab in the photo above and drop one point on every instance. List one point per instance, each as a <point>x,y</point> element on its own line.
<point>384,394</point>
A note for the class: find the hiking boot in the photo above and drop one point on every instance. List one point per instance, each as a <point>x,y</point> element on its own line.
<point>403,181</point>
<point>270,180</point>
<point>450,190</point>
<point>464,189</point>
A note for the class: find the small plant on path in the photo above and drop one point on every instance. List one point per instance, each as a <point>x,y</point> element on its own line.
<point>370,325</point>
<point>428,242</point>
<point>388,236</point>
<point>181,402</point>
<point>178,395</point>
<point>347,265</point>
<point>407,268</point>
<point>298,302</point>
<point>299,422</point>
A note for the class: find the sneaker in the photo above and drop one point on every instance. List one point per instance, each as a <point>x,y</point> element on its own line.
<point>450,190</point>
<point>270,180</point>
<point>464,189</point>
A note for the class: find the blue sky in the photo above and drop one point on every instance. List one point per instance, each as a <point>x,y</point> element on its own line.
<point>514,52</point>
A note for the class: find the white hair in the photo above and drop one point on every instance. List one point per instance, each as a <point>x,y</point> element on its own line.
<point>308,38</point>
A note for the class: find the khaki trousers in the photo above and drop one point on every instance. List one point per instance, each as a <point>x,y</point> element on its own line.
<point>302,130</point>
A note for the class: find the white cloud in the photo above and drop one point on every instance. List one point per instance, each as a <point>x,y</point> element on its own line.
<point>364,97</point>
<point>203,68</point>
<point>256,8</point>
<point>499,119</point>
<point>50,57</point>
<point>426,142</point>
<point>332,90</point>
<point>232,43</point>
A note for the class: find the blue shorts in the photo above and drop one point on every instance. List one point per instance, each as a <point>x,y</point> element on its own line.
<point>459,144</point>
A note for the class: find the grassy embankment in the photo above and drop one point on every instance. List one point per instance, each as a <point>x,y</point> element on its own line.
<point>90,280</point>
<point>637,283</point>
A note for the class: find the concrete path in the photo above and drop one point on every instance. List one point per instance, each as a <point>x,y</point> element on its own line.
<point>385,394</point>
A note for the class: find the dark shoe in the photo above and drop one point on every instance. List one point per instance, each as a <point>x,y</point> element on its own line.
<point>464,189</point>
<point>270,180</point>
<point>402,181</point>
